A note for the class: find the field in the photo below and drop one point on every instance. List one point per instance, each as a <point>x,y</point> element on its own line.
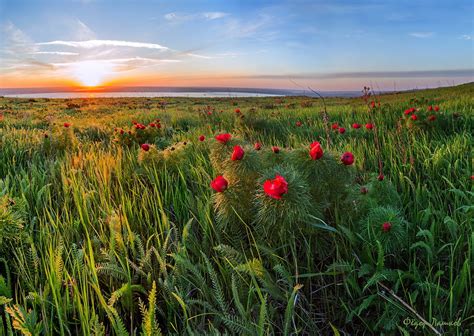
<point>109,223</point>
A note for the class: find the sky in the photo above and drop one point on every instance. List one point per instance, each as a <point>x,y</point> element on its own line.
<point>324,44</point>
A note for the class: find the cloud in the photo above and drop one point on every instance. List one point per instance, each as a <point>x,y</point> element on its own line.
<point>15,42</point>
<point>422,34</point>
<point>240,29</point>
<point>466,37</point>
<point>372,74</point>
<point>181,17</point>
<point>58,53</point>
<point>104,43</point>
<point>83,32</point>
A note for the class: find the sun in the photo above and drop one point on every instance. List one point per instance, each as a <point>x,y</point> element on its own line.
<point>91,73</point>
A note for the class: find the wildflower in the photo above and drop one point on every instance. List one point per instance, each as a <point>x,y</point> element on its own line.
<point>152,125</point>
<point>369,126</point>
<point>372,104</point>
<point>145,147</point>
<point>276,188</point>
<point>430,108</point>
<point>237,154</point>
<point>298,124</point>
<point>202,138</point>
<point>355,125</point>
<point>223,138</point>
<point>436,108</point>
<point>409,111</point>
<point>122,131</point>
<point>276,149</point>
<point>67,125</point>
<point>342,130</point>
<point>335,126</point>
<point>46,136</point>
<point>386,227</point>
<point>432,118</point>
<point>257,146</point>
<point>219,184</point>
<point>364,190</point>
<point>381,177</point>
<point>237,110</point>
<point>414,117</point>
<point>347,158</point>
<point>315,151</point>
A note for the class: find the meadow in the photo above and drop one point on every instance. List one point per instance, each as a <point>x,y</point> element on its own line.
<point>238,216</point>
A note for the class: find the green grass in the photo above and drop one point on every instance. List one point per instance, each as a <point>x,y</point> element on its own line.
<point>99,237</point>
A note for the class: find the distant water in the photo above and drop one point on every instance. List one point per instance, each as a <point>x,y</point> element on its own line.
<point>140,94</point>
<point>135,92</point>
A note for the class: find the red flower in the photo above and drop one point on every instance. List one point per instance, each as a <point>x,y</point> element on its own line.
<point>276,188</point>
<point>315,151</point>
<point>381,177</point>
<point>369,126</point>
<point>122,131</point>
<point>276,149</point>
<point>432,118</point>
<point>410,110</point>
<point>298,124</point>
<point>219,184</point>
<point>202,138</point>
<point>355,125</point>
<point>436,108</point>
<point>209,113</point>
<point>364,190</point>
<point>342,130</point>
<point>257,146</point>
<point>145,147</point>
<point>158,125</point>
<point>66,124</point>
<point>372,104</point>
<point>237,110</point>
<point>347,158</point>
<point>46,136</point>
<point>414,117</point>
<point>237,154</point>
<point>386,227</point>
<point>223,138</point>
<point>335,126</point>
<point>152,125</point>
<point>430,108</point>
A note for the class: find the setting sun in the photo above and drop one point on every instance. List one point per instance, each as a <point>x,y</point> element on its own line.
<point>91,73</point>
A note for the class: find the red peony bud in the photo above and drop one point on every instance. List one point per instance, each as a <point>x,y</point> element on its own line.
<point>237,154</point>
<point>347,158</point>
<point>145,147</point>
<point>386,227</point>
<point>276,188</point>
<point>223,138</point>
<point>219,184</point>
<point>257,146</point>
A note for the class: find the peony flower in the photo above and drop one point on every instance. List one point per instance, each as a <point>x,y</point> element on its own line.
<point>237,154</point>
<point>369,126</point>
<point>219,184</point>
<point>409,111</point>
<point>347,158</point>
<point>372,104</point>
<point>386,227</point>
<point>257,146</point>
<point>342,130</point>
<point>430,108</point>
<point>276,188</point>
<point>145,147</point>
<point>436,108</point>
<point>355,125</point>
<point>315,151</point>
<point>237,110</point>
<point>432,118</point>
<point>414,117</point>
<point>276,149</point>
<point>381,177</point>
<point>66,124</point>
<point>335,126</point>
<point>122,131</point>
<point>223,138</point>
<point>299,123</point>
<point>364,190</point>
<point>202,138</point>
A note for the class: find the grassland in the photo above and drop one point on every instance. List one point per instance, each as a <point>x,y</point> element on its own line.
<point>99,236</point>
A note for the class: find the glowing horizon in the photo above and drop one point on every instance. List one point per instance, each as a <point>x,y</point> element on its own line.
<point>329,45</point>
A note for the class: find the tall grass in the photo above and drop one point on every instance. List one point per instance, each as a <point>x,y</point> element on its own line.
<point>94,240</point>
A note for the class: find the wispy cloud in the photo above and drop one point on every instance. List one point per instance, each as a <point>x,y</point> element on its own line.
<point>372,74</point>
<point>104,43</point>
<point>466,37</point>
<point>422,34</point>
<point>181,17</point>
<point>57,53</point>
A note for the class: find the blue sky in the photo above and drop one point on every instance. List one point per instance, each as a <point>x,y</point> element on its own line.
<point>329,45</point>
